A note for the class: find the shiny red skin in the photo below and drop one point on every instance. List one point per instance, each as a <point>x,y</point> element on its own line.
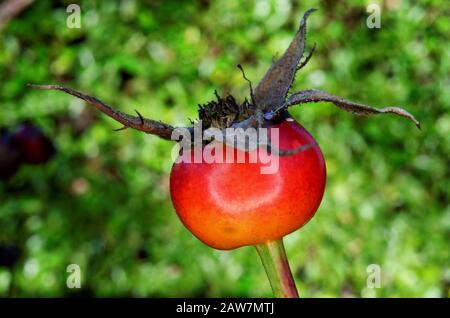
<point>229,205</point>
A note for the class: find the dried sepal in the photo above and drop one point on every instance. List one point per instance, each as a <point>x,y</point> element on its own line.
<point>271,92</point>
<point>128,121</point>
<point>312,95</point>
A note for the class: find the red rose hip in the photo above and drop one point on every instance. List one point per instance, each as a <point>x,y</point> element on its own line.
<point>229,205</point>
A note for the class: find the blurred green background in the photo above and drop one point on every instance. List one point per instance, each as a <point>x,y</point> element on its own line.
<point>103,202</point>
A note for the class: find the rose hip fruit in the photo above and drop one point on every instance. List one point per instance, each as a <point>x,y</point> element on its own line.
<point>228,205</point>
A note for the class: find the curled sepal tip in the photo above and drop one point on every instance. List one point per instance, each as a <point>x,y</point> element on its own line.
<point>313,96</point>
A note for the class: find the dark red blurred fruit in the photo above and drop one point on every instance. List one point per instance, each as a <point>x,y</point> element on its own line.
<point>9,157</point>
<point>33,145</point>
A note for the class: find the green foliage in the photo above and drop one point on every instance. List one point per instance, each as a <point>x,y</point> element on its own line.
<point>103,201</point>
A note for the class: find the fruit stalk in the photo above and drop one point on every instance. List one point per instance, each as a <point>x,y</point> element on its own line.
<point>275,262</point>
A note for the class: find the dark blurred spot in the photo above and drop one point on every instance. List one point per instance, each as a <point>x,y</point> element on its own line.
<point>434,56</point>
<point>300,273</point>
<point>443,198</point>
<point>204,4</point>
<point>125,77</point>
<point>33,145</point>
<point>9,156</point>
<point>329,4</point>
<point>389,73</point>
<point>367,66</point>
<point>58,4</point>
<point>399,206</point>
<point>142,254</point>
<point>9,255</point>
<point>356,17</point>
<point>169,101</point>
<point>248,58</point>
<point>67,77</point>
<point>77,40</point>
